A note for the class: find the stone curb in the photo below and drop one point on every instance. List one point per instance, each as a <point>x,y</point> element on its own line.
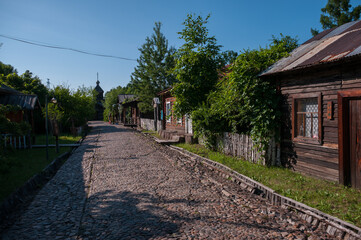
<point>34,183</point>
<point>334,226</point>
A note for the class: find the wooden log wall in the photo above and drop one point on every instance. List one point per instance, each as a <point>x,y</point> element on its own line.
<point>319,160</point>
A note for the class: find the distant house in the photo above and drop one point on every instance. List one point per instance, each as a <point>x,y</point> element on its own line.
<point>28,104</point>
<point>129,114</point>
<point>172,124</point>
<point>321,87</point>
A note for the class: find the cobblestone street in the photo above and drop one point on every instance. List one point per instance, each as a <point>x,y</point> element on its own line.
<point>119,184</point>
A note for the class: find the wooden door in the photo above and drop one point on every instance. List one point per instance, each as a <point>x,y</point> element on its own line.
<point>355,142</point>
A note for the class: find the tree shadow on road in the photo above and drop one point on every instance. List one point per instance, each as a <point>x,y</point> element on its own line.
<point>127,215</point>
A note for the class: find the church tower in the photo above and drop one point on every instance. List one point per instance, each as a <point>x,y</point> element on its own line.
<point>99,108</point>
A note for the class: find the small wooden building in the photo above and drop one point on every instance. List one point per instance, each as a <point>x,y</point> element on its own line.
<point>321,87</point>
<point>129,114</point>
<point>169,120</point>
<point>174,127</point>
<point>28,104</point>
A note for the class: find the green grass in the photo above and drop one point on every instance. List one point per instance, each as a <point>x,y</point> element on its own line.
<point>329,197</point>
<point>25,163</point>
<point>64,139</point>
<point>153,133</point>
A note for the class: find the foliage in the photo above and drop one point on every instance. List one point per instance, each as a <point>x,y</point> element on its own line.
<point>6,69</point>
<point>337,13</point>
<point>73,108</point>
<point>242,102</point>
<point>152,74</point>
<point>196,66</point>
<point>26,83</point>
<point>8,127</point>
<point>332,198</point>
<point>111,99</point>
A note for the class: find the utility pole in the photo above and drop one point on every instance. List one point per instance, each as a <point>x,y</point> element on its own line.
<point>46,122</point>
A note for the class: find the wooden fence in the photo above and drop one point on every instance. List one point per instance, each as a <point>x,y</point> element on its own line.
<point>242,146</point>
<point>14,141</point>
<point>148,124</point>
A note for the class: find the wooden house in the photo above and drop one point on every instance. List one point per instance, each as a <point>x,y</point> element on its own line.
<point>129,113</point>
<point>321,87</point>
<point>173,125</point>
<point>169,120</point>
<point>28,104</point>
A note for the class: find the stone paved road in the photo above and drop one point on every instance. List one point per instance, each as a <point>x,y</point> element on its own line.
<point>121,185</point>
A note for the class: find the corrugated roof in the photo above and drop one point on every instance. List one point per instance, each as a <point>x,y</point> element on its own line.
<point>328,46</point>
<point>25,101</point>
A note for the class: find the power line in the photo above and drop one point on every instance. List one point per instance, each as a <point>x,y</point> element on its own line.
<point>64,48</point>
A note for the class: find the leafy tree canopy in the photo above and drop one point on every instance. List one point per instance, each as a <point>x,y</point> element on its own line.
<point>110,100</point>
<point>242,102</point>
<point>336,13</point>
<point>6,69</point>
<point>196,66</point>
<point>152,74</point>
<point>73,108</point>
<point>26,83</point>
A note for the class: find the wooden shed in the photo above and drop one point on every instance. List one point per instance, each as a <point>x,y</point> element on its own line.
<point>130,114</point>
<point>27,102</point>
<point>321,87</point>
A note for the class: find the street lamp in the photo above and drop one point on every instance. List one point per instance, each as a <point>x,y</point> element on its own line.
<point>55,128</point>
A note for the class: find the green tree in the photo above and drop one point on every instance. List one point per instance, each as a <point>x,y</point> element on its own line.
<point>242,102</point>
<point>73,108</point>
<point>152,74</point>
<point>6,69</point>
<point>196,66</point>
<point>26,83</point>
<point>111,99</point>
<point>336,13</point>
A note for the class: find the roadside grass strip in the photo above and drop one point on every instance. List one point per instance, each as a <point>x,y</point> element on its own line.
<point>329,197</point>
<point>22,164</point>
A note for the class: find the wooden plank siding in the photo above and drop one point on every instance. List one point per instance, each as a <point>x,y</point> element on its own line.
<point>173,125</point>
<point>320,160</point>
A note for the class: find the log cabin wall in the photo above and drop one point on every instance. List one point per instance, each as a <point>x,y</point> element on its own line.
<point>319,160</point>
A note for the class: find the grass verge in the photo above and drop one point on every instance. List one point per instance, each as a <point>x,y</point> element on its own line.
<point>25,163</point>
<point>329,197</point>
<point>153,133</point>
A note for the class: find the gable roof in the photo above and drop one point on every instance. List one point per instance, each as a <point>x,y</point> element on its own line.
<point>9,96</point>
<point>25,101</point>
<point>330,45</point>
<point>7,90</point>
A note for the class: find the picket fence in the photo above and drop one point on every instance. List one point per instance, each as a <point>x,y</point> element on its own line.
<point>14,141</point>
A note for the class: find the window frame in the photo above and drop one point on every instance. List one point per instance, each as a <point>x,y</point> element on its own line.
<point>294,118</point>
<point>168,115</point>
<point>180,120</point>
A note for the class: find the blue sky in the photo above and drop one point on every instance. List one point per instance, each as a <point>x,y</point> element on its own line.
<point>120,27</point>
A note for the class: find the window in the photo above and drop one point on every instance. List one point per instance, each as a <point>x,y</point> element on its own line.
<point>168,112</point>
<point>179,120</point>
<point>307,118</point>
